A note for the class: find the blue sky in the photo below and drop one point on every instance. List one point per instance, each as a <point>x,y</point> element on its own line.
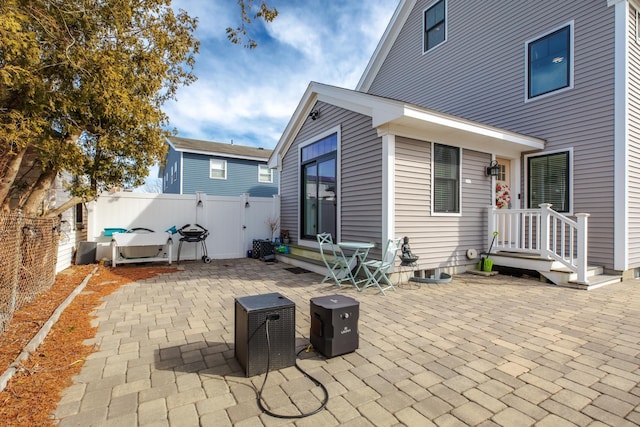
<point>247,95</point>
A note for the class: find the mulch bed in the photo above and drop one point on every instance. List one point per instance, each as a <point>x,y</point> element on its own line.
<point>34,392</point>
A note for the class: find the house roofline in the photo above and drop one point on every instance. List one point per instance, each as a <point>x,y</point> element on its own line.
<point>397,117</point>
<point>218,153</point>
<point>383,48</point>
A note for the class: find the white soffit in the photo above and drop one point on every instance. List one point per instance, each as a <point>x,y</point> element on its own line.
<point>429,125</point>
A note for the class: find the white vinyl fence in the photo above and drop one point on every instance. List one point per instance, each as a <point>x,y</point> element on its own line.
<point>233,222</point>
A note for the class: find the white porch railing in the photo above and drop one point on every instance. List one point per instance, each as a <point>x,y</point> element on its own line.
<point>544,232</point>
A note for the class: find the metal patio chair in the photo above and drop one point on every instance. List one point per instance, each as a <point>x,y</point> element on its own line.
<point>377,270</point>
<point>335,261</point>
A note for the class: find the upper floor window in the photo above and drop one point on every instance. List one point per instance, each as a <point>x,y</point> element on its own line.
<point>549,62</point>
<point>218,169</point>
<point>265,174</point>
<point>446,179</point>
<point>434,25</point>
<point>175,172</point>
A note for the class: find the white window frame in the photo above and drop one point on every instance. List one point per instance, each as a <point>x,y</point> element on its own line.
<point>569,24</point>
<point>269,170</point>
<point>571,178</point>
<point>433,182</point>
<point>175,172</point>
<point>424,26</point>
<point>223,168</point>
<point>166,180</point>
<point>337,130</point>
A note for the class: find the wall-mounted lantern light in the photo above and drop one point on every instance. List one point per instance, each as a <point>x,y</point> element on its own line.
<point>493,169</point>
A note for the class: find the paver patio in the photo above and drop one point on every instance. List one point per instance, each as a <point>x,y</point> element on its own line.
<point>477,351</point>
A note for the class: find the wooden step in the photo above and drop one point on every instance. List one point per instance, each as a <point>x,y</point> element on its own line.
<point>307,262</point>
<point>595,282</point>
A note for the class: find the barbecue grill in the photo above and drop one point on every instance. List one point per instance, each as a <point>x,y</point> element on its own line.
<point>194,233</point>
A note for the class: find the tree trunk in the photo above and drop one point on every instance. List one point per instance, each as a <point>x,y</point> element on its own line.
<point>9,176</point>
<point>63,207</point>
<point>33,205</point>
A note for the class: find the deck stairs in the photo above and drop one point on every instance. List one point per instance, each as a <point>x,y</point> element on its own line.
<point>304,257</point>
<point>554,271</point>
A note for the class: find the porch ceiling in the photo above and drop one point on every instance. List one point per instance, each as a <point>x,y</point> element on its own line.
<point>429,125</point>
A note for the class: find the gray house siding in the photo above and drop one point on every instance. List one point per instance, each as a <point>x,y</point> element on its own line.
<point>479,74</point>
<point>242,177</point>
<point>440,241</point>
<point>172,186</point>
<point>360,175</point>
<point>634,143</point>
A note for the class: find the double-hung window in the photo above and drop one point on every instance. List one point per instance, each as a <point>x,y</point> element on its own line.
<point>548,180</point>
<point>549,62</point>
<point>265,174</point>
<point>217,169</point>
<point>434,25</point>
<point>446,179</point>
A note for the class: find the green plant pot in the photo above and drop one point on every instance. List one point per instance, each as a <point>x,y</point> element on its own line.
<point>487,266</point>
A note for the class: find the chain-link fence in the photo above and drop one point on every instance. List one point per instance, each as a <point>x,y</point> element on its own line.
<point>28,256</point>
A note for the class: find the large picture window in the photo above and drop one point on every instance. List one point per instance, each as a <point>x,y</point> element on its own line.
<point>319,193</point>
<point>434,25</point>
<point>446,179</point>
<point>548,180</point>
<point>549,65</point>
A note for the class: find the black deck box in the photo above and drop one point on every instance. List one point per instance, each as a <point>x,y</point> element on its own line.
<point>251,349</point>
<point>334,324</point>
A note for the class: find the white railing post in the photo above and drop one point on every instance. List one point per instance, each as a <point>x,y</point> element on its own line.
<point>583,236</point>
<point>543,236</point>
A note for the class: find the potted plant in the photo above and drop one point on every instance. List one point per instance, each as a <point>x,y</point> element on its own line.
<point>274,224</point>
<point>284,235</point>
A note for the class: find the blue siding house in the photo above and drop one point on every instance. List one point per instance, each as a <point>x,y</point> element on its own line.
<point>217,169</point>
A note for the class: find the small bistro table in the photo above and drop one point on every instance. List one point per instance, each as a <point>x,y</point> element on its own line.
<point>360,253</point>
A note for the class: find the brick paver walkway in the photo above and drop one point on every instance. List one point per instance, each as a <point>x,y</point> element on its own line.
<point>477,351</point>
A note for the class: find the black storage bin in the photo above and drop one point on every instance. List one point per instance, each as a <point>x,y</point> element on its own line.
<point>86,253</point>
<point>256,249</point>
<point>250,332</point>
<point>334,324</point>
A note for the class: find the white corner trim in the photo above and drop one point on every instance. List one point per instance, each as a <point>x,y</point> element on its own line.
<point>621,114</point>
<point>388,187</point>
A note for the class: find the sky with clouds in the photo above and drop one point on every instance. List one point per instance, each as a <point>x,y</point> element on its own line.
<point>248,95</point>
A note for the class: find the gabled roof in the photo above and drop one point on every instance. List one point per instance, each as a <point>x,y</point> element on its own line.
<point>386,42</point>
<point>218,149</point>
<point>391,116</point>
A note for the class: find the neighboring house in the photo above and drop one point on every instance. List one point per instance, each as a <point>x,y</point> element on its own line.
<point>548,92</point>
<point>217,169</point>
<point>73,225</point>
